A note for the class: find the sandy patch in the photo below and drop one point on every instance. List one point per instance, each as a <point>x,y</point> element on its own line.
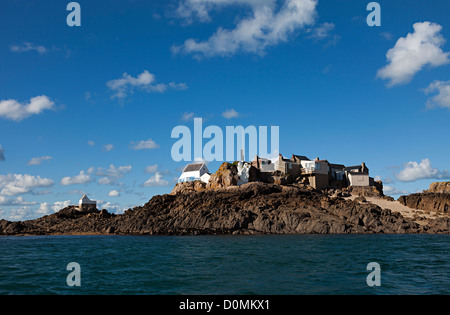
<point>418,216</point>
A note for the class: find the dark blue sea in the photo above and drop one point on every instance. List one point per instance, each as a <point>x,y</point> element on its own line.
<point>230,265</point>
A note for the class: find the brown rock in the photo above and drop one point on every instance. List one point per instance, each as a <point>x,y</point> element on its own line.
<point>440,187</point>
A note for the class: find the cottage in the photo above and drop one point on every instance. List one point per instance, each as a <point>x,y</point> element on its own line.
<point>358,175</point>
<point>194,172</point>
<point>86,204</point>
<point>317,172</point>
<point>288,166</point>
<point>264,165</point>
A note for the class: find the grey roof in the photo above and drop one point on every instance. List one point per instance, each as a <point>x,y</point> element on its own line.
<point>193,167</point>
<point>301,157</point>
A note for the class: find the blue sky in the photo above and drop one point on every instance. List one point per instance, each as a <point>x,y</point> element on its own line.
<point>90,109</point>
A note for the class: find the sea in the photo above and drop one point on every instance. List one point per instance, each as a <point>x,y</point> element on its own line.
<point>226,265</point>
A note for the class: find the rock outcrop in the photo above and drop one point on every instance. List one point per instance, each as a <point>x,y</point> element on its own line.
<point>440,188</point>
<point>436,202</point>
<point>252,208</point>
<point>436,198</point>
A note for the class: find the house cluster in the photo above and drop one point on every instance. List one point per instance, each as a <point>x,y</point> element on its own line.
<point>317,173</point>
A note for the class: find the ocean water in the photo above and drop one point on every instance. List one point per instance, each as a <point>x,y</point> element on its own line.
<point>230,265</point>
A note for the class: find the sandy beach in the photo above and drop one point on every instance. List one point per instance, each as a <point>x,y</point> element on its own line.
<point>419,216</point>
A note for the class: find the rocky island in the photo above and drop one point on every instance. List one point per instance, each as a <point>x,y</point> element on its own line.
<point>222,207</point>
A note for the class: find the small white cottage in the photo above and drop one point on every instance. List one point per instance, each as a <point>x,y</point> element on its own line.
<point>87,204</point>
<point>194,172</point>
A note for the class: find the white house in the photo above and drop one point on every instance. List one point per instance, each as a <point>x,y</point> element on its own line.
<point>317,166</point>
<point>358,175</point>
<point>86,203</point>
<point>194,172</point>
<point>264,165</point>
<point>358,179</point>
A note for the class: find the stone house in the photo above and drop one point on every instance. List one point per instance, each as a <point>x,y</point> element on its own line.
<point>86,204</point>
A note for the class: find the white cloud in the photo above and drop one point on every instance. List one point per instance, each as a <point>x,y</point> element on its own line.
<point>15,202</point>
<point>151,169</point>
<point>20,214</point>
<point>26,46</point>
<point>414,171</point>
<point>442,98</point>
<point>16,184</point>
<point>230,113</point>
<point>112,174</point>
<point>108,147</point>
<point>113,193</point>
<point>411,53</point>
<point>91,143</point>
<point>323,31</point>
<point>392,191</point>
<point>187,116</point>
<point>38,160</point>
<point>2,153</point>
<point>264,27</point>
<point>156,180</point>
<point>111,207</point>
<point>13,110</point>
<point>81,178</point>
<point>144,81</point>
<point>46,208</point>
<point>144,144</point>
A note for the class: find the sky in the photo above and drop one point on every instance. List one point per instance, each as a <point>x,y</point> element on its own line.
<point>90,109</point>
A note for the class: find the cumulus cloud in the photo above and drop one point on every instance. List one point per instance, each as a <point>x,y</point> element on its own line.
<point>81,178</point>
<point>151,169</point>
<point>27,46</point>
<point>267,25</point>
<point>46,208</point>
<point>20,214</point>
<point>413,171</point>
<point>156,180</point>
<point>442,98</point>
<point>108,147</point>
<point>2,153</point>
<point>392,191</point>
<point>111,207</point>
<point>111,175</point>
<point>16,184</point>
<point>91,143</point>
<point>38,160</point>
<point>114,193</point>
<point>144,144</point>
<point>19,201</point>
<point>145,81</point>
<point>413,52</point>
<point>230,113</point>
<point>187,116</point>
<point>13,110</point>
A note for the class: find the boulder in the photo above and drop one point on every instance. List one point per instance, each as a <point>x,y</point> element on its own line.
<point>226,175</point>
<point>440,187</point>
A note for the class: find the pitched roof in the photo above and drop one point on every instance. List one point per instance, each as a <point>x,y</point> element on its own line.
<point>300,157</point>
<point>193,167</point>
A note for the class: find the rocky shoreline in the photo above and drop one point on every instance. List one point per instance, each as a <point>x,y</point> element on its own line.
<point>253,208</point>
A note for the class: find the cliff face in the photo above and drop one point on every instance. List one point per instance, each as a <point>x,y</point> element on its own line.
<point>437,202</point>
<point>440,188</point>
<point>436,198</point>
<point>248,209</point>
